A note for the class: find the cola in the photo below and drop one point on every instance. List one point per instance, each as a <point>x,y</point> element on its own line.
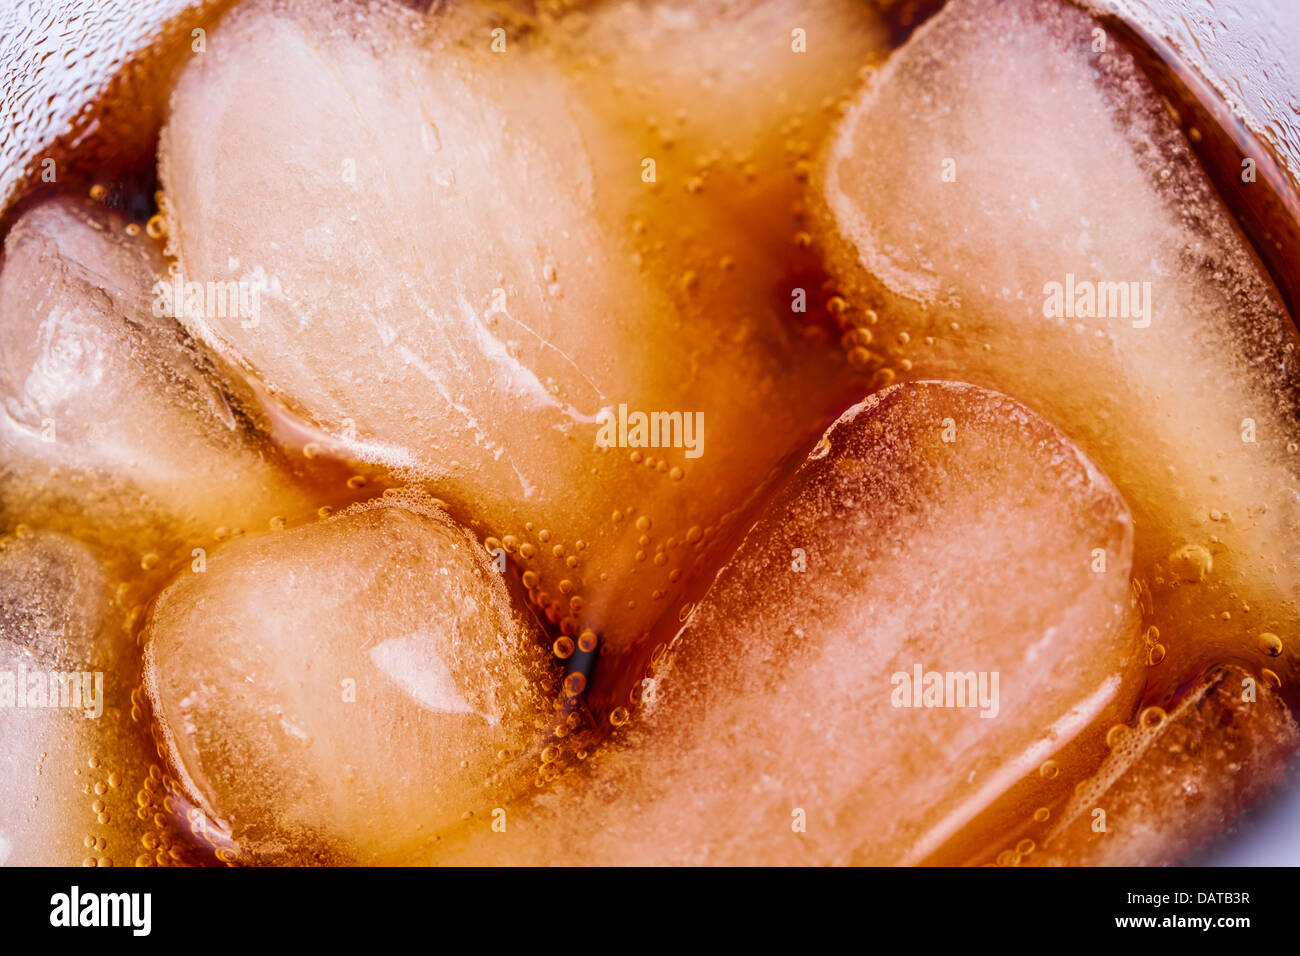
<point>616,264</point>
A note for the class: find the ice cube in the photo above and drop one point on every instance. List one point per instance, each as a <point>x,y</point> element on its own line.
<point>467,251</point>
<point>1016,206</point>
<point>344,690</point>
<point>1173,780</point>
<point>938,529</point>
<point>52,599</point>
<point>75,755</point>
<point>738,93</point>
<point>109,413</point>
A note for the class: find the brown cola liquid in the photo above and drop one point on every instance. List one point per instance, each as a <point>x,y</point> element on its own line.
<point>110,153</point>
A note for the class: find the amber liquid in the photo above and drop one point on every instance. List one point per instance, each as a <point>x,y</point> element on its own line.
<point>110,154</point>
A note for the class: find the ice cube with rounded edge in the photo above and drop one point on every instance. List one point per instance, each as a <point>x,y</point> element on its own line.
<point>450,234</point>
<point>109,413</point>
<point>72,759</point>
<point>1015,202</point>
<point>921,617</point>
<point>344,690</point>
<point>1173,780</point>
<point>731,103</point>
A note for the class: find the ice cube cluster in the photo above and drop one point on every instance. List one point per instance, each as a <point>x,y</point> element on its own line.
<point>920,421</point>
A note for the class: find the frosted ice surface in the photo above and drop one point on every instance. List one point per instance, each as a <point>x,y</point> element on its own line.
<point>55,636</point>
<point>453,234</point>
<point>994,192</point>
<point>107,408</point>
<point>346,689</point>
<point>1264,835</point>
<point>1173,782</point>
<point>412,663</point>
<point>938,527</point>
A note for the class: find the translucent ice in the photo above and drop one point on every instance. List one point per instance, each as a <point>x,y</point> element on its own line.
<point>465,240</point>
<point>71,757</point>
<point>938,529</point>
<point>345,690</point>
<point>1173,780</point>
<point>108,411</point>
<point>1012,203</point>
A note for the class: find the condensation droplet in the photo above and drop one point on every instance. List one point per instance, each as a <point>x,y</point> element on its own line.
<point>1270,644</point>
<point>1152,717</point>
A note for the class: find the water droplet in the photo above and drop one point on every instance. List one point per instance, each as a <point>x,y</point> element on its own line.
<point>883,378</point>
<point>859,358</point>
<point>1270,644</point>
<point>1191,562</point>
<point>575,684</point>
<point>1152,717</point>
